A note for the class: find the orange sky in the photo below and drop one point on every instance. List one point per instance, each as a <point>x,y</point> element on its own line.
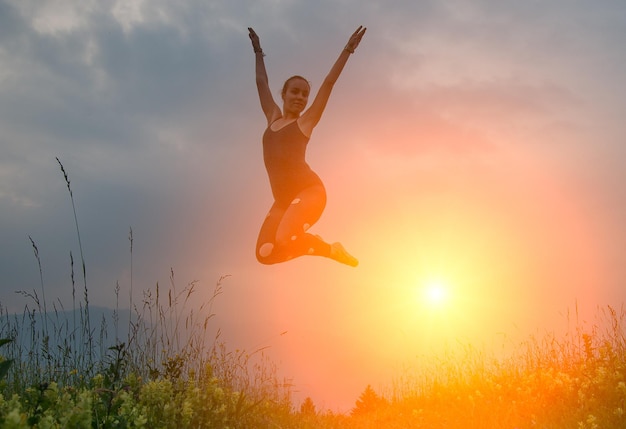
<point>416,197</point>
<point>509,235</point>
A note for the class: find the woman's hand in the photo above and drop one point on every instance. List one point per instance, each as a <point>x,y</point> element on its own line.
<point>355,39</point>
<point>256,43</point>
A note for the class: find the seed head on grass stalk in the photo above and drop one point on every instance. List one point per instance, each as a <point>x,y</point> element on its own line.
<point>130,294</point>
<point>43,292</point>
<point>87,330</point>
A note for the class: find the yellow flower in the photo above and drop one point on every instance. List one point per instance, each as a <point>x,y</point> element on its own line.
<point>591,420</point>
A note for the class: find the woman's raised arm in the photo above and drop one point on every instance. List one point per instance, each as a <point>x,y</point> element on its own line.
<point>313,114</point>
<point>269,106</point>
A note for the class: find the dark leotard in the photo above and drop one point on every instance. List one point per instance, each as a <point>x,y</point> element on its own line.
<point>284,155</point>
<point>299,197</point>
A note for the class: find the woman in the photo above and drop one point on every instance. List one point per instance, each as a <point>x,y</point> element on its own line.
<point>299,195</point>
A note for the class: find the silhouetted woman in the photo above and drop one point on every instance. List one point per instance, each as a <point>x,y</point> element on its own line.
<point>299,195</point>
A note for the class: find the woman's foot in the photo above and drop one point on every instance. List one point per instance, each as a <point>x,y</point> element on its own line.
<point>339,254</point>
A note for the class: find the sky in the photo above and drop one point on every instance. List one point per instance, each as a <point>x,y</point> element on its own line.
<point>473,145</point>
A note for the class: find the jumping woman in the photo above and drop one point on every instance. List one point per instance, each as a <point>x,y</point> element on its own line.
<point>299,194</point>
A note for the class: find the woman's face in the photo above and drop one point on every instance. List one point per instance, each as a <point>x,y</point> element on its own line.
<point>296,96</point>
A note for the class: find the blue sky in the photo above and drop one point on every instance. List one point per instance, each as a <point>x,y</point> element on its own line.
<point>482,140</point>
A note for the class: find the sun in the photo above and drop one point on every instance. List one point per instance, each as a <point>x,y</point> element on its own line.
<point>435,293</point>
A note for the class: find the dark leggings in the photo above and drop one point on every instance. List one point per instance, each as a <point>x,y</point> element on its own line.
<point>283,235</point>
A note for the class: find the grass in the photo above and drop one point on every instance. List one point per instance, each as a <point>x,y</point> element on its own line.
<point>576,381</point>
<point>165,365</point>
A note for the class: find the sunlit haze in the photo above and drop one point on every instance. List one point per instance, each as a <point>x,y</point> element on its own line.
<point>472,153</point>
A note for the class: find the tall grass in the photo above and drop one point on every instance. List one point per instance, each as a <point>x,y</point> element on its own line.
<point>168,335</point>
<point>169,367</point>
<point>171,360</point>
<point>85,322</point>
<point>573,380</point>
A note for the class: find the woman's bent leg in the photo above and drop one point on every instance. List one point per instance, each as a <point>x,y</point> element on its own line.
<point>302,213</point>
<point>266,251</point>
<point>284,235</point>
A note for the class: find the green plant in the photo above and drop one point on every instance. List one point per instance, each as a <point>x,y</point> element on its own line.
<point>4,363</point>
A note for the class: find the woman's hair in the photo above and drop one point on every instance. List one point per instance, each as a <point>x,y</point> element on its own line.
<point>286,84</point>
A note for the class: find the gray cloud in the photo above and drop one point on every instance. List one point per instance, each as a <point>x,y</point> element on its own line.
<point>146,108</point>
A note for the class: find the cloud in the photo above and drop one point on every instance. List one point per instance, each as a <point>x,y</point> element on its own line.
<point>153,95</point>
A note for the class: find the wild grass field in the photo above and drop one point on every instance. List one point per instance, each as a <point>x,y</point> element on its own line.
<point>160,378</point>
<point>164,369</point>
